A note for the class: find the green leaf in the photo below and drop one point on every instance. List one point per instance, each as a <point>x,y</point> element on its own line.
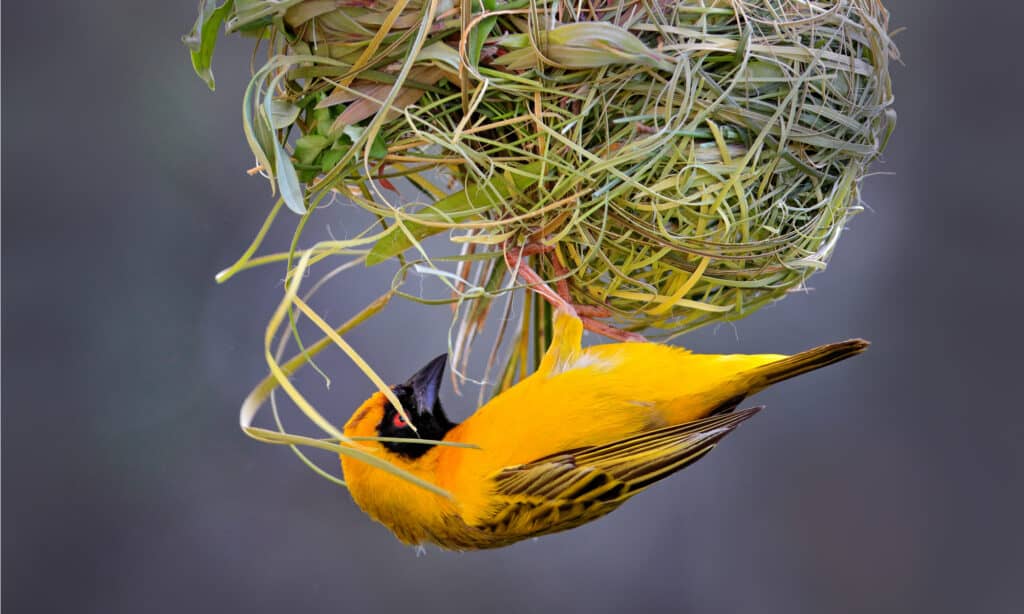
<point>202,39</point>
<point>288,182</point>
<point>589,44</point>
<point>257,131</point>
<point>253,27</point>
<point>332,156</point>
<point>255,14</point>
<point>266,141</point>
<point>759,77</point>
<point>462,205</point>
<point>322,121</point>
<point>287,178</point>
<point>283,114</point>
<point>440,52</point>
<point>353,133</point>
<point>515,41</point>
<point>308,147</point>
<point>479,34</point>
<point>378,149</point>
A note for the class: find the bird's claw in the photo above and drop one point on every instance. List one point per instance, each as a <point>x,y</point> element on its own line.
<point>561,299</point>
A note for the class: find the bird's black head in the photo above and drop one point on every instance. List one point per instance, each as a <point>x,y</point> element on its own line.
<point>422,403</point>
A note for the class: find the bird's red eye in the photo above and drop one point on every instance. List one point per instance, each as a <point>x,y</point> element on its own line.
<point>399,422</point>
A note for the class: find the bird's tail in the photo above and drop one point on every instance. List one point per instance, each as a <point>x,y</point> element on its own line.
<point>797,364</point>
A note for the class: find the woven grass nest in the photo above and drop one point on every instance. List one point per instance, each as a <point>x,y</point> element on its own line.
<point>659,165</point>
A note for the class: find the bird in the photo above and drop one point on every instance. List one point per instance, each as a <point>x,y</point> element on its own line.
<point>586,431</point>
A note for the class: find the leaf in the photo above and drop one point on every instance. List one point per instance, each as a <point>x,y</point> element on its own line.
<point>479,34</point>
<point>464,204</point>
<point>266,141</point>
<point>384,181</point>
<point>343,22</point>
<point>308,147</point>
<point>758,77</point>
<point>372,94</point>
<point>515,41</point>
<point>250,27</point>
<point>353,133</point>
<point>331,157</point>
<point>442,53</point>
<point>322,121</point>
<point>339,96</point>
<point>282,114</point>
<point>375,19</point>
<point>583,45</point>
<point>202,39</point>
<point>305,11</point>
<point>287,178</point>
<point>288,182</point>
<point>257,132</point>
<point>477,38</point>
<point>378,148</point>
<point>255,14</point>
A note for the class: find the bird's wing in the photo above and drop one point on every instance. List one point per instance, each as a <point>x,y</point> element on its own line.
<point>570,488</point>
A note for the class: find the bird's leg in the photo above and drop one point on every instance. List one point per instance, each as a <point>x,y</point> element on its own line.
<point>589,313</point>
<point>513,258</point>
<point>601,328</point>
<point>562,285</point>
<point>561,300</point>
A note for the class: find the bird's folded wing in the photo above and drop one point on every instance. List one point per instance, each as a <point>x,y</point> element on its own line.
<point>572,487</point>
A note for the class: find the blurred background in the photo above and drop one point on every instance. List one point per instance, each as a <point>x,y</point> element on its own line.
<point>891,483</point>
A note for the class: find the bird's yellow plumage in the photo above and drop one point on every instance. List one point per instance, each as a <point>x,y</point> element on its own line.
<point>571,442</point>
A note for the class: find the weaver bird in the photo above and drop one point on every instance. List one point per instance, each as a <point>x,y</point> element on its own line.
<point>569,443</point>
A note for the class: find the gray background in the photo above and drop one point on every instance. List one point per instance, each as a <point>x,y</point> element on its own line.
<point>889,484</point>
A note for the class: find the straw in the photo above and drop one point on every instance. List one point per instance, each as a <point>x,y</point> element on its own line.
<point>662,165</point>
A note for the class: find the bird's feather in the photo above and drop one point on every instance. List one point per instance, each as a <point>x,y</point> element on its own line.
<point>567,444</point>
<point>570,488</point>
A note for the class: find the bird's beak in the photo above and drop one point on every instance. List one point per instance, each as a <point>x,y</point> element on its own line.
<point>426,383</point>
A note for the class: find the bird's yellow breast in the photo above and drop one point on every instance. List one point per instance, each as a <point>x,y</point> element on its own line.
<point>411,512</point>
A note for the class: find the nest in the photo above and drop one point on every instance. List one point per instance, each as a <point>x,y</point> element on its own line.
<point>660,165</point>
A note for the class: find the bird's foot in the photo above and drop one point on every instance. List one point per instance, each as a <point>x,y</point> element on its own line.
<point>561,299</point>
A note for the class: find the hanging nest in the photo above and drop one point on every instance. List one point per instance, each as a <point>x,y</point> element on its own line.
<point>659,165</point>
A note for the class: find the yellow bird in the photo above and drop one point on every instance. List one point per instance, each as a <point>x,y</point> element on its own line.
<point>568,444</point>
